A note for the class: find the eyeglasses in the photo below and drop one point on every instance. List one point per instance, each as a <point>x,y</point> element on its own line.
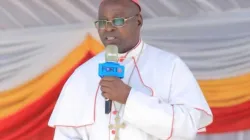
<point>116,22</point>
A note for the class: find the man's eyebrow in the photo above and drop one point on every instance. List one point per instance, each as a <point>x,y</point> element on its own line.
<point>116,15</point>
<point>102,18</point>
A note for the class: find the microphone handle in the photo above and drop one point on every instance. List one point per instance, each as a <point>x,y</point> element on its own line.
<point>108,106</point>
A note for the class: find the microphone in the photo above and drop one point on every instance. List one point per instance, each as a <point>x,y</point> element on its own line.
<point>110,68</point>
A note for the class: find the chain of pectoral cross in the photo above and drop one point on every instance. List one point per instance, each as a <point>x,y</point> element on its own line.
<point>117,124</point>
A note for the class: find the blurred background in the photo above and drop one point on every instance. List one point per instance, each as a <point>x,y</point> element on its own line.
<point>43,41</point>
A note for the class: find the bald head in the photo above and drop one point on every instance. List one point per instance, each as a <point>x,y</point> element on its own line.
<point>127,35</point>
<point>128,4</point>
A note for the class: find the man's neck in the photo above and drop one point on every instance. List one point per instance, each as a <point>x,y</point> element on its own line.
<point>133,52</point>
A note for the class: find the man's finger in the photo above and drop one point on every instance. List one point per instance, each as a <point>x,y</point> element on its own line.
<point>106,95</point>
<point>103,94</point>
<point>105,89</point>
<point>104,83</point>
<point>109,78</point>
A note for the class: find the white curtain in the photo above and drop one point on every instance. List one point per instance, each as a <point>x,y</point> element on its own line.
<point>21,50</point>
<point>214,46</point>
<point>241,135</point>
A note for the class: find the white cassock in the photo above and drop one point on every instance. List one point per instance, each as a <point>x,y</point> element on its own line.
<point>165,101</point>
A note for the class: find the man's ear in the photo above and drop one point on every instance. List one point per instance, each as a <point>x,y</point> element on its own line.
<point>140,20</point>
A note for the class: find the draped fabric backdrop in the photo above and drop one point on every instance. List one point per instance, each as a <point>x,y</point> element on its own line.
<point>37,57</point>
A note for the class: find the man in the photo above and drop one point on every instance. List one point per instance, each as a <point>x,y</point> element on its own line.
<point>158,98</point>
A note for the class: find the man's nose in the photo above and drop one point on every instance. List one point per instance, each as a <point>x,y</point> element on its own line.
<point>109,27</point>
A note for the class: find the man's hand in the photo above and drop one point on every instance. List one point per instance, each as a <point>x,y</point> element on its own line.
<point>114,89</point>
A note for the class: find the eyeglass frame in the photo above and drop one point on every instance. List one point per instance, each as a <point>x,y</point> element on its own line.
<point>110,21</point>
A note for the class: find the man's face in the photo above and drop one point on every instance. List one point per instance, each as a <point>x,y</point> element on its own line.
<point>126,36</point>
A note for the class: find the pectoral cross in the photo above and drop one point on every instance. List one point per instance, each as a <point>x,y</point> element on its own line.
<point>117,127</point>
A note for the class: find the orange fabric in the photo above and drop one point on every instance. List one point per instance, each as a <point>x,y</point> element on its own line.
<point>227,92</point>
<point>230,119</point>
<point>15,99</point>
<point>32,121</point>
<point>94,46</point>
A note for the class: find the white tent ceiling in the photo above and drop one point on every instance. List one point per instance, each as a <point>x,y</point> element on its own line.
<point>16,14</point>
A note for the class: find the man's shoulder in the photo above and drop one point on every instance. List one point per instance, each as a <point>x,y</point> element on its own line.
<point>162,55</point>
<point>88,69</point>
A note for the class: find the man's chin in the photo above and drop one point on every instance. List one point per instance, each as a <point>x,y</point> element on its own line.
<point>111,43</point>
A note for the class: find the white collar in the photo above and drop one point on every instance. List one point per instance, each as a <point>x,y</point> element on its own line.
<point>132,53</point>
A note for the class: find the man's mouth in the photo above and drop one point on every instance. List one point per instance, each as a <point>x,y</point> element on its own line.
<point>110,38</point>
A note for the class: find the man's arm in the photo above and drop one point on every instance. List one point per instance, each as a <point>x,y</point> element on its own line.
<point>180,117</point>
<point>69,133</point>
